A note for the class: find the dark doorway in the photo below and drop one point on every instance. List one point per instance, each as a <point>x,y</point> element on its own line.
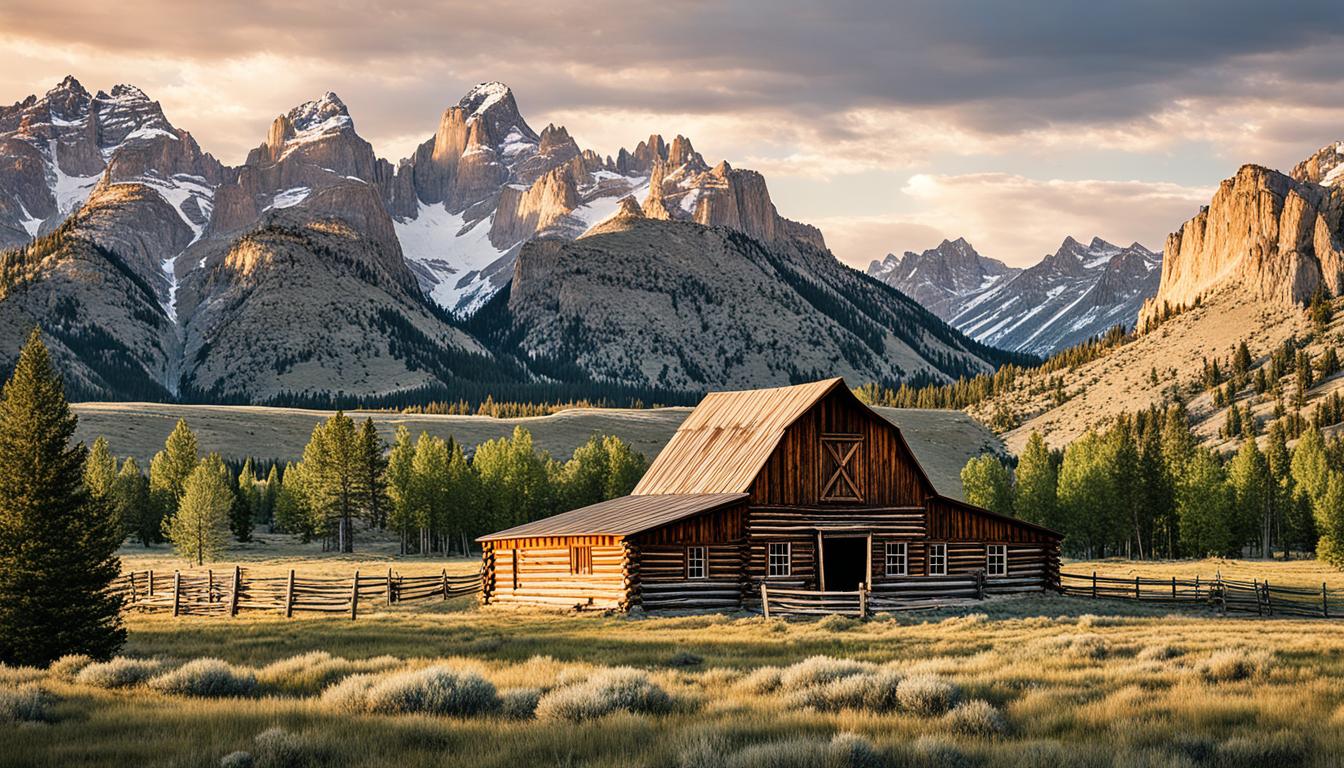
<point>844,562</point>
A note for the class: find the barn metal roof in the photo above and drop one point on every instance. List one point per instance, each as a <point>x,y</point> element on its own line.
<point>624,516</point>
<point>722,445</point>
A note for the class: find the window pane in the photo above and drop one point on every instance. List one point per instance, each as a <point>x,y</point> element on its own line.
<point>896,558</point>
<point>779,560</point>
<point>695,562</point>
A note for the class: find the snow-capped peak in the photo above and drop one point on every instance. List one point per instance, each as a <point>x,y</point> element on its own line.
<point>483,97</point>
<point>320,115</point>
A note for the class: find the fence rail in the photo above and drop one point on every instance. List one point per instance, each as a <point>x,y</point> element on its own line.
<point>912,593</point>
<point>228,592</point>
<point>1254,596</point>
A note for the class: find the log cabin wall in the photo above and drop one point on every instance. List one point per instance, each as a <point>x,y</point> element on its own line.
<point>562,571</point>
<point>662,580</point>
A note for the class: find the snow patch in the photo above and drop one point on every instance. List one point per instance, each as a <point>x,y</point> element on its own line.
<point>289,198</point>
<point>445,248</point>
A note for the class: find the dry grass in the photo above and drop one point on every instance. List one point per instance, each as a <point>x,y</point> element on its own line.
<point>1014,682</point>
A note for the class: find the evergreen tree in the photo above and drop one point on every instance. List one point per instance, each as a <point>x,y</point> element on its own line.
<point>100,470</point>
<point>1154,490</point>
<point>1035,492</point>
<point>1087,495</point>
<point>333,483</point>
<point>987,483</point>
<point>170,468</point>
<point>270,491</point>
<point>246,500</point>
<point>430,489</point>
<point>462,502</point>
<point>1203,500</point>
<point>1286,516</point>
<point>1309,465</point>
<point>200,529</point>
<point>57,542</point>
<point>1131,516</point>
<point>1330,520</point>
<point>1248,476</point>
<point>373,467</point>
<point>400,485</point>
<point>130,498</point>
<point>514,482</point>
<point>291,505</point>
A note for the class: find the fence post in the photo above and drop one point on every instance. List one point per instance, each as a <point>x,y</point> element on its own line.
<point>765,599</point>
<point>1269,599</point>
<point>151,582</point>
<point>210,585</point>
<point>389,586</point>
<point>445,583</point>
<point>233,592</point>
<point>979,585</point>
<point>1325,605</point>
<point>1136,588</point>
<point>1094,585</point>
<point>1259,600</point>
<point>1196,588</point>
<point>177,591</point>
<point>354,596</point>
<point>1222,592</point>
<point>1173,588</point>
<point>289,595</point>
<point>133,586</point>
<point>863,600</point>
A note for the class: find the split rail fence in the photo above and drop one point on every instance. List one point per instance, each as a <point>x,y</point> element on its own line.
<point>912,593</point>
<point>1254,596</point>
<point>226,593</point>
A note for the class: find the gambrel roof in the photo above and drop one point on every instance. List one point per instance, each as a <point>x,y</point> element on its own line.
<point>727,439</point>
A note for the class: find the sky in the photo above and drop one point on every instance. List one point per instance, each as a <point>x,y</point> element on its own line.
<point>890,125</point>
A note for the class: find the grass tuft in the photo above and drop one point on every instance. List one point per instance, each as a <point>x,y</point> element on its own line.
<point>119,672</point>
<point>437,690</point>
<point>26,703</point>
<point>211,678</point>
<point>1235,664</point>
<point>66,667</point>
<point>976,718</point>
<point>519,703</point>
<point>309,673</point>
<point>616,689</point>
<point>819,670</point>
<point>926,695</point>
<point>239,759</point>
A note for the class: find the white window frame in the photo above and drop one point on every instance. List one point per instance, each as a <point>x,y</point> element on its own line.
<point>697,562</point>
<point>779,564</point>
<point>938,561</point>
<point>996,554</point>
<point>897,558</point>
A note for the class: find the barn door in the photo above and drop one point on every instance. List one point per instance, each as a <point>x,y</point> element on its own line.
<point>841,457</point>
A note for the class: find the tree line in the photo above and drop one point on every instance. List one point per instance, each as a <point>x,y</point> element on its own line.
<point>1144,488</point>
<point>427,489</point>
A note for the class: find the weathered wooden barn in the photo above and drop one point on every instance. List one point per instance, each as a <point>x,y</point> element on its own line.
<point>800,488</point>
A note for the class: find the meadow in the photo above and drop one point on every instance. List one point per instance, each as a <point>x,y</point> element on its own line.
<point>1041,680</point>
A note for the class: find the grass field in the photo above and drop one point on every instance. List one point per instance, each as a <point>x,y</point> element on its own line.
<point>1043,680</point>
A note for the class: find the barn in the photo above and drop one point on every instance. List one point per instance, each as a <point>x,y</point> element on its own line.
<point>801,489</point>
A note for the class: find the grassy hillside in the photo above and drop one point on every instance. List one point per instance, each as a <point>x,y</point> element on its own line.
<point>944,440</point>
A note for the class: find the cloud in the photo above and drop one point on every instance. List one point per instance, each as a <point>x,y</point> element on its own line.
<point>1013,218</point>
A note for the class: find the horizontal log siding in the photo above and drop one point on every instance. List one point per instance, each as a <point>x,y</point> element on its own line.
<point>544,576</point>
<point>887,472</point>
<point>949,521</point>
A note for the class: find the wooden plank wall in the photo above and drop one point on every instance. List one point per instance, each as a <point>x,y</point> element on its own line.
<point>795,473</point>
<point>950,521</point>
<point>663,583</point>
<point>544,577</point>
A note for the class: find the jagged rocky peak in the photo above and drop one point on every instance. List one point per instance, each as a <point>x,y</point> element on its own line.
<point>1325,166</point>
<point>309,121</point>
<point>1273,236</point>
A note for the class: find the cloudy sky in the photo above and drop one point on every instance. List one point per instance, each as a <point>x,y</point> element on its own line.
<point>889,125</point>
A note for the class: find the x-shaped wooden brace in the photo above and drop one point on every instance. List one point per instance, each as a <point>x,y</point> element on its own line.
<point>850,449</point>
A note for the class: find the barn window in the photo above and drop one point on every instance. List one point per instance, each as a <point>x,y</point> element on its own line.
<point>996,560</point>
<point>937,559</point>
<point>896,558</point>
<point>840,457</point>
<point>581,560</point>
<point>781,559</point>
<point>695,563</point>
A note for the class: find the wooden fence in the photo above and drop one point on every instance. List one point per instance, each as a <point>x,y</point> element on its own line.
<point>1255,596</point>
<point>907,594</point>
<point>226,593</point>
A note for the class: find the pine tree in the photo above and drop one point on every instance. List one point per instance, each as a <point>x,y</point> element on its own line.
<point>1203,500</point>
<point>200,529</point>
<point>291,504</point>
<point>1087,495</point>
<point>1310,466</point>
<point>1248,476</point>
<point>246,499</point>
<point>130,497</point>
<point>100,470</point>
<point>373,467</point>
<point>266,513</point>
<point>400,482</point>
<point>988,484</point>
<point>333,485</point>
<point>170,468</point>
<point>1330,520</point>
<point>1035,492</point>
<point>57,543</point>
<point>1155,494</point>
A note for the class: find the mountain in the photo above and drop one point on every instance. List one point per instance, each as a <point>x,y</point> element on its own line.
<point>1076,293</point>
<point>669,304</point>
<point>318,270</point>
<point>942,279</point>
<point>1237,272</point>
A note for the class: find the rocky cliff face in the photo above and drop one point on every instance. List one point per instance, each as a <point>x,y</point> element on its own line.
<point>1271,235</point>
<point>674,304</point>
<point>1077,292</point>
